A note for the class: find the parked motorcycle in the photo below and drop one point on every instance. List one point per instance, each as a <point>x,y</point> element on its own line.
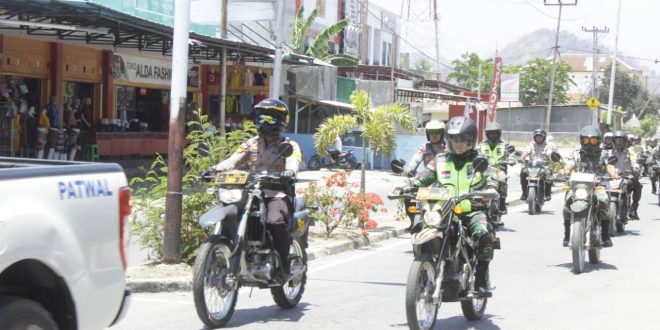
<point>239,252</point>
<point>445,256</point>
<point>345,160</point>
<point>536,180</point>
<point>585,228</point>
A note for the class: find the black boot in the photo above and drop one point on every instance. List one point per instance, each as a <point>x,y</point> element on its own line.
<point>567,233</point>
<point>481,279</point>
<point>633,212</point>
<point>548,192</point>
<point>653,185</point>
<point>605,234</point>
<point>503,209</point>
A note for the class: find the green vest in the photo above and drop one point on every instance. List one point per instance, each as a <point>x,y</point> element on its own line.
<point>495,154</point>
<point>459,181</point>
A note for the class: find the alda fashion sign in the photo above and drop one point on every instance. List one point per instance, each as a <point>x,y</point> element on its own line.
<point>146,70</point>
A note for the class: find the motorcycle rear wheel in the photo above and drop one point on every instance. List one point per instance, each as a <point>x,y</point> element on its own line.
<point>531,200</point>
<point>421,312</point>
<point>475,308</point>
<point>350,164</point>
<point>577,247</point>
<point>213,302</point>
<point>288,295</point>
<point>314,164</point>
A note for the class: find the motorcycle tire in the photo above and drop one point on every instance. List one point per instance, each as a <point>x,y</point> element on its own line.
<point>577,247</point>
<point>314,164</point>
<point>208,270</point>
<point>419,287</point>
<point>594,253</point>
<point>474,308</point>
<point>288,295</point>
<point>350,164</point>
<point>614,215</point>
<point>531,200</point>
<point>21,313</point>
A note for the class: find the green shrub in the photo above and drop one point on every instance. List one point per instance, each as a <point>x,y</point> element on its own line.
<point>149,198</point>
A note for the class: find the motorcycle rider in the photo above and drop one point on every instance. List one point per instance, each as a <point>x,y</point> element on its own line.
<point>607,141</point>
<point>588,159</point>
<point>260,152</point>
<point>626,162</point>
<point>454,170</point>
<point>335,150</point>
<point>426,153</point>
<point>652,152</point>
<point>496,151</point>
<point>537,149</point>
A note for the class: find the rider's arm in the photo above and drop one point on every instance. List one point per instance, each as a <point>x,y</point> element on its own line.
<point>416,159</point>
<point>293,161</point>
<point>235,160</point>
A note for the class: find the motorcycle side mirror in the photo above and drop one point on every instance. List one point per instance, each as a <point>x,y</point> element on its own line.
<point>480,164</point>
<point>285,150</point>
<point>555,156</point>
<point>396,165</point>
<point>611,160</point>
<point>510,149</point>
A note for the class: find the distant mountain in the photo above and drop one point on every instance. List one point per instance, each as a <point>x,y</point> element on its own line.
<point>539,44</point>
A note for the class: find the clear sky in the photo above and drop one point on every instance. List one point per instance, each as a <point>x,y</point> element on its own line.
<point>482,25</point>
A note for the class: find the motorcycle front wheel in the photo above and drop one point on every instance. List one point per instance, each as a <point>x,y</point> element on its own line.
<point>614,215</point>
<point>421,312</point>
<point>531,200</point>
<point>594,253</point>
<point>577,247</point>
<point>214,301</point>
<point>314,163</point>
<point>288,295</point>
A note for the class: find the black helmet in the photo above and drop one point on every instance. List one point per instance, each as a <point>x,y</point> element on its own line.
<point>590,139</point>
<point>620,140</point>
<point>272,116</point>
<point>539,131</point>
<point>494,127</point>
<point>461,128</point>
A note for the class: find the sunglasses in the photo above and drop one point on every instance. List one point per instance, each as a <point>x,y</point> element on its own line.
<point>266,119</point>
<point>589,140</point>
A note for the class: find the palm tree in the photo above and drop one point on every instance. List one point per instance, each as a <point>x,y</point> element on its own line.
<point>319,47</point>
<point>377,125</point>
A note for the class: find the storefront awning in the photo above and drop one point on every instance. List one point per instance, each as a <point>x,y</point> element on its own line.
<point>310,103</point>
<point>95,24</point>
<point>407,95</point>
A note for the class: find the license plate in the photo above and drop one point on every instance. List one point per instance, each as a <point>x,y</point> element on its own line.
<point>434,193</point>
<point>231,178</point>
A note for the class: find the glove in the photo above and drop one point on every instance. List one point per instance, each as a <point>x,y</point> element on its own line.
<point>207,173</point>
<point>287,175</point>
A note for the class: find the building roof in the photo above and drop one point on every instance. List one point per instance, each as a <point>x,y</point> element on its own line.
<point>583,62</point>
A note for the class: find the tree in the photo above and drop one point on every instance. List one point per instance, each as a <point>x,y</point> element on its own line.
<point>319,47</point>
<point>422,64</point>
<point>626,90</point>
<point>466,72</point>
<point>377,125</point>
<point>535,82</point>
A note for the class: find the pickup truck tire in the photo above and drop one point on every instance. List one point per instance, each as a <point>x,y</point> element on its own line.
<point>20,313</point>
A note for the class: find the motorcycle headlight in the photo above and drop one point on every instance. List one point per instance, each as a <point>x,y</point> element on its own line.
<point>229,196</point>
<point>581,193</point>
<point>432,218</point>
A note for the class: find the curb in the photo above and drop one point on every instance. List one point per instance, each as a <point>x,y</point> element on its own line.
<point>185,284</point>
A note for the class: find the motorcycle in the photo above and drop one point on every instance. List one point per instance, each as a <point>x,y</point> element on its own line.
<point>620,201</point>
<point>494,213</point>
<point>655,171</point>
<point>410,204</point>
<point>239,252</point>
<point>536,180</point>
<point>345,160</point>
<point>585,228</point>
<point>445,261</point>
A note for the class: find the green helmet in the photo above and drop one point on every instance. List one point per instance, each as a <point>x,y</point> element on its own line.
<point>493,127</point>
<point>434,126</point>
<point>590,139</point>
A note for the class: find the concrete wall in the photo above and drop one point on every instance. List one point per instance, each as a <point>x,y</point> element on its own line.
<point>564,119</point>
<point>315,81</point>
<point>380,91</point>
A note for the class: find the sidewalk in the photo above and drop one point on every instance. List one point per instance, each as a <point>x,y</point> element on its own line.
<point>179,277</point>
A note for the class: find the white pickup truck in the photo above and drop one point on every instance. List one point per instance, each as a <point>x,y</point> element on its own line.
<point>63,244</point>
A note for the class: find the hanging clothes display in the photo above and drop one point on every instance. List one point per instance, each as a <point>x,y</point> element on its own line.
<point>248,78</point>
<point>246,101</point>
<point>235,79</point>
<point>259,78</point>
<point>231,103</point>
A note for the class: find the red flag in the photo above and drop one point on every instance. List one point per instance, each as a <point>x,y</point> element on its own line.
<point>497,73</point>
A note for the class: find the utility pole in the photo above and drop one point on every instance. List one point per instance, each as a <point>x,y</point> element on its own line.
<point>548,113</point>
<point>437,40</point>
<point>173,197</point>
<point>613,73</point>
<point>594,75</point>
<point>364,32</point>
<point>276,82</point>
<point>222,93</point>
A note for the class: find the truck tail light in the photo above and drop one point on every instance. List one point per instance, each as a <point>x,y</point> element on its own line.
<point>124,223</point>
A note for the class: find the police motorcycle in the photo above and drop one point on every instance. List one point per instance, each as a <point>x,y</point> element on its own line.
<point>239,251</point>
<point>655,170</point>
<point>536,179</point>
<point>494,213</point>
<point>345,160</point>
<point>620,200</point>
<point>445,261</point>
<point>585,232</point>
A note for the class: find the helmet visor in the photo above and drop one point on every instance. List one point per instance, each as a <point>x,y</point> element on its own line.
<point>460,143</point>
<point>589,140</point>
<point>619,141</point>
<point>266,119</point>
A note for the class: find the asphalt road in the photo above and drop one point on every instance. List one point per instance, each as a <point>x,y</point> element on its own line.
<point>535,288</point>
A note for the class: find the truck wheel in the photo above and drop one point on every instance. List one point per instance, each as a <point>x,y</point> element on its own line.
<point>20,313</point>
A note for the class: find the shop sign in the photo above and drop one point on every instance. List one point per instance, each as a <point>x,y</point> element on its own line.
<point>150,71</point>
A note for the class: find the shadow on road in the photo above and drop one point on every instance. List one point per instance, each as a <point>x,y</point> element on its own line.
<point>459,322</point>
<point>630,232</point>
<point>363,282</point>
<point>505,229</point>
<point>589,267</point>
<point>266,314</point>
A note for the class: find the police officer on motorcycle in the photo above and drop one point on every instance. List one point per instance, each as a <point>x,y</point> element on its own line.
<point>496,151</point>
<point>426,153</point>
<point>589,158</point>
<point>652,150</point>
<point>260,152</point>
<point>626,162</point>
<point>454,170</point>
<point>607,141</point>
<point>539,148</point>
